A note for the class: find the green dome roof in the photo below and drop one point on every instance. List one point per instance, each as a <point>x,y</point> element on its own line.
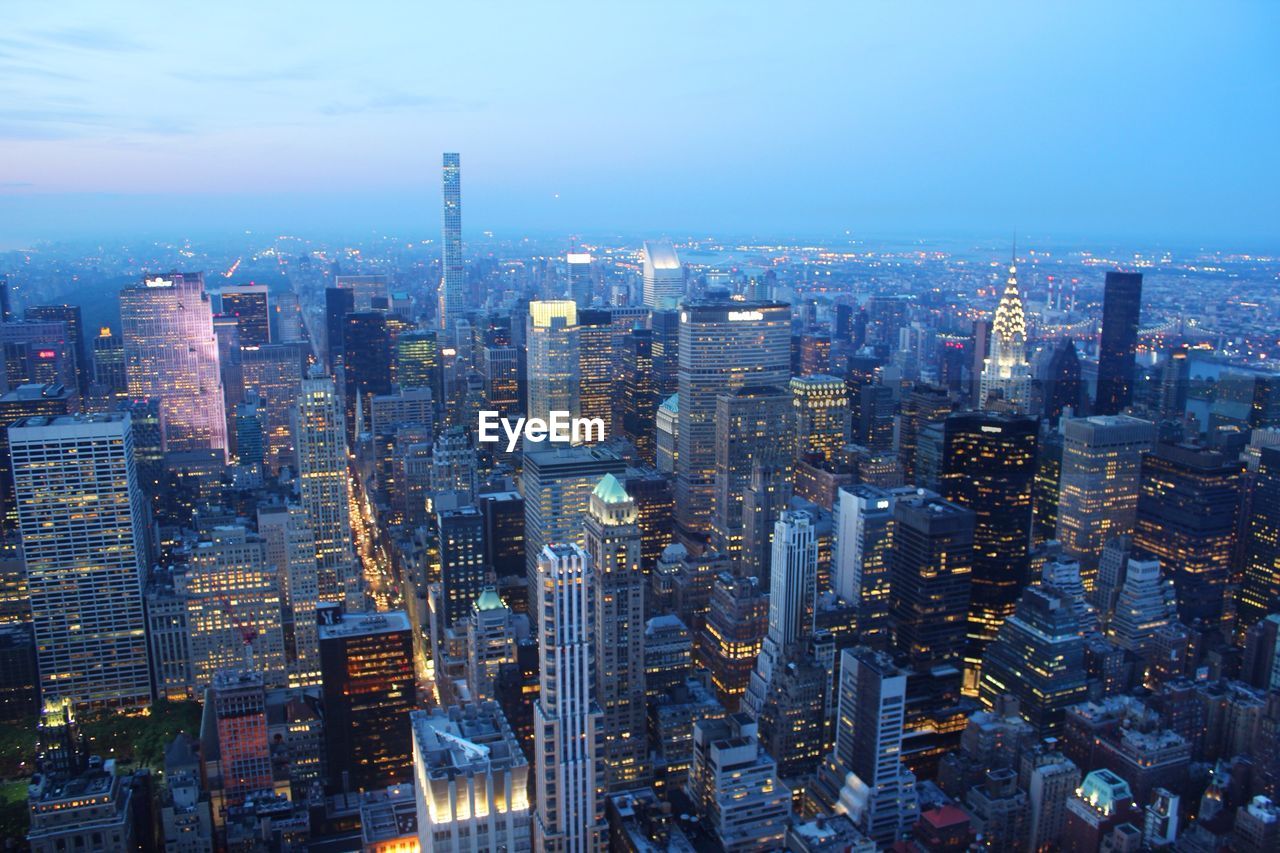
<point>489,600</point>
<point>611,491</point>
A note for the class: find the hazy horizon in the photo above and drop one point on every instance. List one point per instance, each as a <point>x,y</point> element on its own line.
<point>1134,122</point>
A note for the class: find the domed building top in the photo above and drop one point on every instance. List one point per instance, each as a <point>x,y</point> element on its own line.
<point>611,491</point>
<point>489,600</point>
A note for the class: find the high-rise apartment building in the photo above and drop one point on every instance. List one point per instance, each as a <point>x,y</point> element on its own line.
<point>452,274</point>
<point>82,520</point>
<point>171,353</point>
<point>663,276</point>
<point>612,538</point>
<point>724,346</point>
<point>1118,346</point>
<point>568,723</point>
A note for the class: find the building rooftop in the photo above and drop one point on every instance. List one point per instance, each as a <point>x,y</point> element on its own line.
<point>359,624</point>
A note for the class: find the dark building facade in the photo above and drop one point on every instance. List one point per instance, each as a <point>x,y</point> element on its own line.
<point>1117,350</point>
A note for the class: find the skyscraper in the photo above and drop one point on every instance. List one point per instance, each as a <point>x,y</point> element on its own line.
<point>557,483</point>
<point>366,667</point>
<point>663,275</point>
<point>1062,385</point>
<point>274,371</point>
<point>821,407</point>
<point>597,377</point>
<point>69,314</point>
<point>233,608</point>
<point>792,603</point>
<point>338,303</point>
<point>366,361</point>
<point>724,346</point>
<point>1006,376</point>
<point>865,775</point>
<point>864,541</point>
<point>580,285</point>
<point>171,353</point>
<point>81,516</point>
<point>109,373</point>
<point>988,464</point>
<point>1098,491</point>
<point>1118,346</point>
<point>929,573</point>
<point>640,400</point>
<point>462,572</point>
<point>291,550</point>
<point>1037,656</point>
<point>617,582</point>
<point>452,278</point>
<point>568,723</point>
<point>753,426</point>
<point>322,473</point>
<point>551,336</point>
<point>1260,591</point>
<point>470,779</point>
<point>249,305</point>
<point>1188,511</point>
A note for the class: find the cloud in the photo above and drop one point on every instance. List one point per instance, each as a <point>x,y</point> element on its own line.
<point>278,75</point>
<point>390,102</point>
<point>90,38</point>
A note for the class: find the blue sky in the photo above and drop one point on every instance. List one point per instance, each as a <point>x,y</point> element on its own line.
<point>1156,120</point>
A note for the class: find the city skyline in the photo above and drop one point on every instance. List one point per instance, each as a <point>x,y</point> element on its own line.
<point>1042,120</point>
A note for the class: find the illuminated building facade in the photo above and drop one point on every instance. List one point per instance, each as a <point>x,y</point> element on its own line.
<point>864,541</point>
<point>369,688</point>
<point>109,376</point>
<point>597,379</point>
<point>724,346</point>
<point>171,353</point>
<point>663,276</point>
<point>639,392</point>
<point>820,405</point>
<point>988,464</point>
<point>580,289</point>
<point>81,516</point>
<point>864,776</point>
<point>233,604</point>
<point>418,362</point>
<point>554,373</point>
<point>753,424</point>
<point>567,721</point>
<point>1006,375</point>
<point>612,538</point>
<point>470,781</point>
<point>1260,591</point>
<point>1038,657</point>
<point>462,571</point>
<point>737,620</point>
<point>1098,485</point>
<point>274,371</point>
<point>558,482</point>
<point>250,306</point>
<point>291,550</point>
<point>1188,515</point>
<point>452,295</point>
<point>70,315</point>
<point>234,742</point>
